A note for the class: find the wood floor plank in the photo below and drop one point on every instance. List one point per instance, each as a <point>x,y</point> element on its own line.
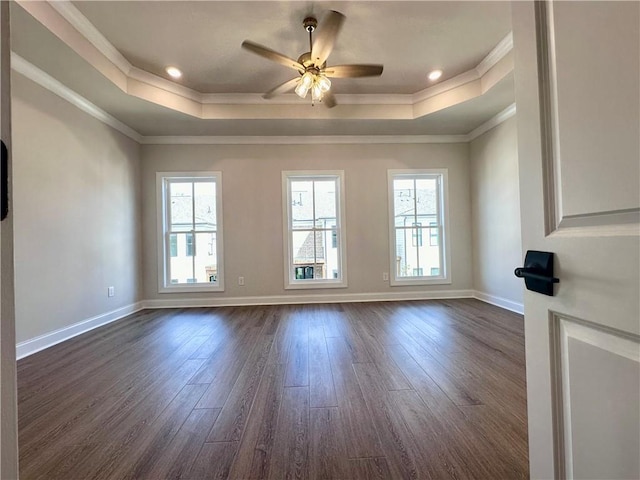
<point>226,370</point>
<point>411,389</point>
<point>362,438</point>
<point>327,449</point>
<point>297,373</point>
<point>391,374</point>
<point>290,455</point>
<point>176,459</point>
<point>321,388</point>
<point>394,435</point>
<point>462,451</point>
<point>369,469</point>
<point>232,420</point>
<point>140,451</point>
<point>213,462</point>
<point>254,453</point>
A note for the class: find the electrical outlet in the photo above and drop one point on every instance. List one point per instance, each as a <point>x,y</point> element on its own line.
<point>111,291</point>
<point>385,277</point>
<point>241,281</point>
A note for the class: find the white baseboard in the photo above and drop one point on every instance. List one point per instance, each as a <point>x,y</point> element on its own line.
<point>31,346</point>
<point>499,302</point>
<point>300,299</point>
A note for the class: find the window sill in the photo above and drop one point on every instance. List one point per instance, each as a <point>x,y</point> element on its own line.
<point>315,285</point>
<point>419,281</point>
<point>191,288</point>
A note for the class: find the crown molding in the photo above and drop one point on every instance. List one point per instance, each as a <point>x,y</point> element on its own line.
<point>46,81</point>
<point>72,15</point>
<point>504,115</point>
<point>503,47</point>
<point>302,140</point>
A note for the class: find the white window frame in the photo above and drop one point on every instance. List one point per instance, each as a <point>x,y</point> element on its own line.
<point>290,282</point>
<point>163,234</point>
<point>443,239</point>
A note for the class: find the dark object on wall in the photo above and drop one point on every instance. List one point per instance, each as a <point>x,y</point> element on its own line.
<point>4,186</point>
<point>538,272</point>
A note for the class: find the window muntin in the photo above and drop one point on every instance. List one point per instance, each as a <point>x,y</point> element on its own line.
<point>313,209</point>
<point>190,256</point>
<point>418,226</point>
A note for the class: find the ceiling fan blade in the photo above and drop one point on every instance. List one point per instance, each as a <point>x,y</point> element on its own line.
<point>329,100</point>
<point>351,71</point>
<point>272,55</point>
<point>327,34</point>
<point>282,88</point>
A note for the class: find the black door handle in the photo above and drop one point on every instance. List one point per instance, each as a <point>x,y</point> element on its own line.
<point>538,272</point>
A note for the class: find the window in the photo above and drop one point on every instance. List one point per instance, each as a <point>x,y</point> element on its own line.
<point>417,206</point>
<point>189,231</point>
<point>313,212</point>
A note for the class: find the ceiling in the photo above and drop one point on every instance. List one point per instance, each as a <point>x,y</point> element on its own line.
<point>114,53</point>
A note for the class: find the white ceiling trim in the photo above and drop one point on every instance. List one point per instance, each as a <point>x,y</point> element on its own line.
<point>302,140</point>
<point>46,81</point>
<point>499,51</point>
<point>503,116</point>
<point>172,95</point>
<point>72,15</point>
<point>491,60</point>
<point>22,66</point>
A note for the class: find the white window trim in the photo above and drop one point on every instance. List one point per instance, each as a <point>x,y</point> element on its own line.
<point>445,257</point>
<point>164,283</point>
<point>291,283</point>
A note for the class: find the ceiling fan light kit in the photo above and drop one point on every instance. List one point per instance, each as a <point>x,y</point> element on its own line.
<point>312,66</point>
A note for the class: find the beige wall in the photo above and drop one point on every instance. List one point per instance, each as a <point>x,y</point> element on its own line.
<point>252,205</point>
<point>77,222</point>
<point>495,206</point>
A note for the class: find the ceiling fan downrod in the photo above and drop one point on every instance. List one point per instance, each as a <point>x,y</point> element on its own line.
<point>310,24</point>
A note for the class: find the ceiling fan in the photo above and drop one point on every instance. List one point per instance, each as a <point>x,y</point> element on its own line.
<point>313,72</point>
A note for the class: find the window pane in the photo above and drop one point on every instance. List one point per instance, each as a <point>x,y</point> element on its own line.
<point>301,204</point>
<point>434,234</point>
<point>325,201</point>
<point>403,202</point>
<point>303,248</point>
<point>181,206</point>
<point>206,265</point>
<point>429,256</point>
<point>180,265</point>
<point>426,196</point>
<point>332,252</point>
<point>405,253</point>
<point>189,245</point>
<point>205,203</point>
<point>173,245</point>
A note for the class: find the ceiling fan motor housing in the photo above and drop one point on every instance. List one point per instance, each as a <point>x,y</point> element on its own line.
<point>310,24</point>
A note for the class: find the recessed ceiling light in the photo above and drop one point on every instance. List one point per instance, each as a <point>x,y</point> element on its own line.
<point>435,75</point>
<point>174,72</point>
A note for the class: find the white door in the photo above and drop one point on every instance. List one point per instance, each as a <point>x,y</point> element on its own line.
<point>577,97</point>
<point>8,413</point>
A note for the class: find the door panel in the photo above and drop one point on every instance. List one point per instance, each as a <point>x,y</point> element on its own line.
<point>598,411</point>
<point>595,43</point>
<point>578,104</point>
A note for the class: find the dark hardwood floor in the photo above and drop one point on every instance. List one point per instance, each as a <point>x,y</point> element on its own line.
<point>432,389</point>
